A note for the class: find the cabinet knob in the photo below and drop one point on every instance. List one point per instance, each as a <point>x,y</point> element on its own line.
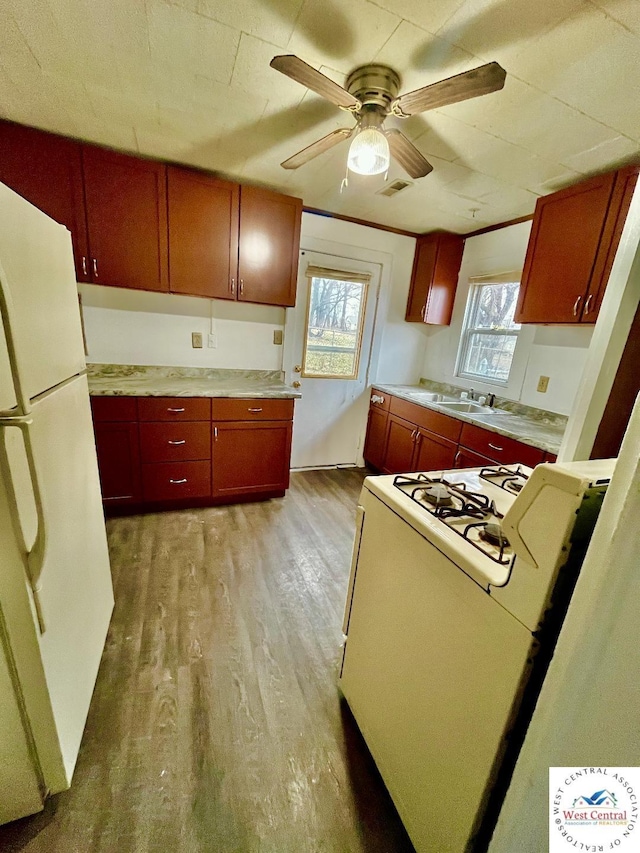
<point>576,306</point>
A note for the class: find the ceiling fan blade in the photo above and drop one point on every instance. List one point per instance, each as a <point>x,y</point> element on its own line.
<point>469,84</point>
<point>318,147</point>
<point>406,153</point>
<point>314,80</point>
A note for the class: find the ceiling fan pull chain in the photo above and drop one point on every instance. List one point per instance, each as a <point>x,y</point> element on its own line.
<point>344,184</point>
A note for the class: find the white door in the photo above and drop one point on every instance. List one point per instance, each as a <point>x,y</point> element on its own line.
<point>327,350</point>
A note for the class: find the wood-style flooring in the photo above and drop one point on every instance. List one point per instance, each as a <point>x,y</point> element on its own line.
<point>216,724</point>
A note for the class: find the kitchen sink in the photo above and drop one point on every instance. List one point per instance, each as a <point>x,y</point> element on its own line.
<point>468,407</point>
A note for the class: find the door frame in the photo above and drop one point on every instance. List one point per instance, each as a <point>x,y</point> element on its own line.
<point>357,253</point>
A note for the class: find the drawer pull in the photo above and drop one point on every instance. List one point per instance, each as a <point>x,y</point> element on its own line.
<point>175,443</point>
<point>377,398</point>
<point>587,307</point>
<point>576,306</point>
<point>254,410</point>
<point>495,447</point>
<point>176,410</point>
<point>178,482</point>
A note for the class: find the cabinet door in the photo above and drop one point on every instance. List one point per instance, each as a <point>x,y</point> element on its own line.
<point>562,252</point>
<point>376,438</point>
<point>433,453</point>
<point>468,459</point>
<point>400,446</point>
<point>435,278</point>
<point>269,246</point>
<point>47,170</point>
<point>118,462</point>
<point>625,184</point>
<point>127,219</point>
<point>250,457</point>
<point>203,234</point>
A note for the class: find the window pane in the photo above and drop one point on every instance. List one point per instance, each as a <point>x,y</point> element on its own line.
<point>489,356</point>
<point>334,326</point>
<point>495,307</point>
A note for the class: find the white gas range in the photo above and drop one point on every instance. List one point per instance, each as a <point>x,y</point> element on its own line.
<point>459,583</point>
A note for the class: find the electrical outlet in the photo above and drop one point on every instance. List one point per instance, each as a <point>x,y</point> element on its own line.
<point>277,337</point>
<point>543,384</point>
<point>212,341</point>
<point>196,340</point>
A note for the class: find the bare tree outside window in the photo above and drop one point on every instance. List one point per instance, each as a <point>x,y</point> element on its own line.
<point>334,328</point>
<point>490,333</point>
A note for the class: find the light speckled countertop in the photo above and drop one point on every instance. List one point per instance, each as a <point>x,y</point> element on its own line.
<point>532,426</point>
<point>126,380</point>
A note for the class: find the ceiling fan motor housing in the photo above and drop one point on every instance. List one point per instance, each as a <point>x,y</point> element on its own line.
<point>375,86</point>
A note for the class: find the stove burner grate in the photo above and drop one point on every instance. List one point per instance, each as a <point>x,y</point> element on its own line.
<point>509,479</point>
<point>487,532</point>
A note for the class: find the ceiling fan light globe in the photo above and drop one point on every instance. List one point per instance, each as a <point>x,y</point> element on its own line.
<point>369,152</point>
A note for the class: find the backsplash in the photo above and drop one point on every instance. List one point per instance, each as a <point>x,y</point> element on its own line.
<point>500,403</point>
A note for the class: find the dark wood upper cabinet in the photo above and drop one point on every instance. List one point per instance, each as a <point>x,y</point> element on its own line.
<point>573,241</point>
<point>203,234</point>
<point>47,171</point>
<point>127,219</point>
<point>269,246</point>
<point>434,278</point>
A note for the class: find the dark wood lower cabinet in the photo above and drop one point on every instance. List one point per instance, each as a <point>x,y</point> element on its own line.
<point>413,438</point>
<point>250,458</point>
<point>160,452</point>
<point>376,440</point>
<point>118,452</point>
<point>433,453</point>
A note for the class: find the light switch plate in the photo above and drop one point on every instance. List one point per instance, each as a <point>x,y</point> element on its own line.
<point>196,340</point>
<point>543,384</point>
<point>277,337</point>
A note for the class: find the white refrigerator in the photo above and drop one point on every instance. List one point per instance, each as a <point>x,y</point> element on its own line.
<point>56,594</point>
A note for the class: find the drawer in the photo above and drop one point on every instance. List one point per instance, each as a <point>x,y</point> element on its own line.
<point>169,481</point>
<point>378,403</point>
<point>234,409</point>
<point>114,408</point>
<point>442,425</point>
<point>499,447</point>
<point>165,442</point>
<point>174,408</point>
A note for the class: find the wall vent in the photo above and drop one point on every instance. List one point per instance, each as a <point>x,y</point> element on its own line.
<point>394,187</point>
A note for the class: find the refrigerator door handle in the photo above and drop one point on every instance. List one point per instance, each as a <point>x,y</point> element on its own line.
<point>7,312</point>
<point>35,556</point>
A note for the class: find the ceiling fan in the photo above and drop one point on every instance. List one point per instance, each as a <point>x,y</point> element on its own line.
<point>371,94</point>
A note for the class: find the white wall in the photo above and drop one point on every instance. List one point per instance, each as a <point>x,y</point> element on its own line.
<point>588,711</point>
<point>553,351</point>
<point>136,327</point>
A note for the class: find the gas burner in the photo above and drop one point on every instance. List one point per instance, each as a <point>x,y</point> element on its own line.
<point>510,479</point>
<point>437,494</point>
<point>492,533</point>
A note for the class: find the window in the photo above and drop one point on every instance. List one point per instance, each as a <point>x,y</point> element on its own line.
<point>335,317</point>
<point>489,334</point>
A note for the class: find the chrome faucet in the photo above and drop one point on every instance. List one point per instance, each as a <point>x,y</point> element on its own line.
<point>472,394</point>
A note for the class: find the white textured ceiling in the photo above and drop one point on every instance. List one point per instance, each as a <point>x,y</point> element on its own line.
<point>189,81</point>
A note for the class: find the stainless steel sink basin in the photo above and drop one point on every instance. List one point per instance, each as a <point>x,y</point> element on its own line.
<point>467,406</point>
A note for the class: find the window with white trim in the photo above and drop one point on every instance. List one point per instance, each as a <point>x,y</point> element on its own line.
<point>489,334</point>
